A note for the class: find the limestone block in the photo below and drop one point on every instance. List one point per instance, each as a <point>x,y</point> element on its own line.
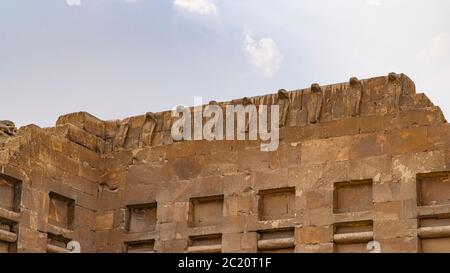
<point>253,159</point>
<point>179,191</point>
<point>318,198</point>
<point>175,246</point>
<point>173,212</point>
<point>207,186</point>
<point>406,167</point>
<point>439,137</point>
<point>188,168</point>
<point>167,231</point>
<point>399,245</point>
<point>323,150</point>
<point>235,224</point>
<point>408,141</point>
<point>237,184</point>
<point>101,238</point>
<point>84,217</point>
<point>391,229</point>
<point>84,138</point>
<point>331,172</point>
<point>369,168</point>
<point>31,241</point>
<point>304,177</point>
<point>264,180</point>
<point>369,145</point>
<point>314,234</point>
<point>237,242</point>
<point>340,127</point>
<point>396,210</point>
<point>319,217</point>
<point>104,220</point>
<point>370,124</point>
<point>145,174</point>
<point>139,193</point>
<point>84,121</point>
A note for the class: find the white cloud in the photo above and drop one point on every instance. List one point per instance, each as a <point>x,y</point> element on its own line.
<point>263,55</point>
<point>73,2</point>
<point>202,7</point>
<point>437,47</point>
<point>374,2</point>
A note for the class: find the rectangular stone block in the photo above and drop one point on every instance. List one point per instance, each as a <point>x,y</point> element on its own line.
<point>395,229</point>
<point>104,220</point>
<point>314,235</point>
<point>369,145</point>
<point>408,141</point>
<point>353,196</point>
<point>323,150</point>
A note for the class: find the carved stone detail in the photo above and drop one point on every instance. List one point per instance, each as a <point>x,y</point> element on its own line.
<point>246,102</point>
<point>354,96</point>
<point>314,104</point>
<point>284,102</point>
<point>148,130</point>
<point>393,91</point>
<point>121,137</point>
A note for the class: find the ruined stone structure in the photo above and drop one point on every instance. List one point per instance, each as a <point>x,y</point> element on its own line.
<point>363,163</point>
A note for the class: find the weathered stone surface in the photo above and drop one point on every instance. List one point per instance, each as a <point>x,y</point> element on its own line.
<point>365,159</point>
<point>7,130</point>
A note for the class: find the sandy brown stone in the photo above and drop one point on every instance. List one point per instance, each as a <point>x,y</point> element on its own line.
<point>365,159</point>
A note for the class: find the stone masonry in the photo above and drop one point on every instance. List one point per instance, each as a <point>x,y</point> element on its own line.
<point>361,166</point>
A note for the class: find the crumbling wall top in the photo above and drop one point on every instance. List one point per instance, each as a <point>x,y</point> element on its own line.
<point>389,94</point>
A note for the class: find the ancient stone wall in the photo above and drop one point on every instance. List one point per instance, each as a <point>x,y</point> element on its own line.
<point>358,162</point>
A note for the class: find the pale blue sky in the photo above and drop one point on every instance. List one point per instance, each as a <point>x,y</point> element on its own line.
<point>118,58</point>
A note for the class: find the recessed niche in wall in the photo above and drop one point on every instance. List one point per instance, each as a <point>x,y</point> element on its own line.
<point>434,234</point>
<point>205,244</point>
<point>353,196</point>
<point>276,204</point>
<point>8,235</point>
<point>433,189</point>
<point>206,211</point>
<point>10,192</point>
<point>353,237</point>
<point>142,218</point>
<point>146,246</point>
<point>61,211</point>
<point>58,241</point>
<point>276,241</point>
